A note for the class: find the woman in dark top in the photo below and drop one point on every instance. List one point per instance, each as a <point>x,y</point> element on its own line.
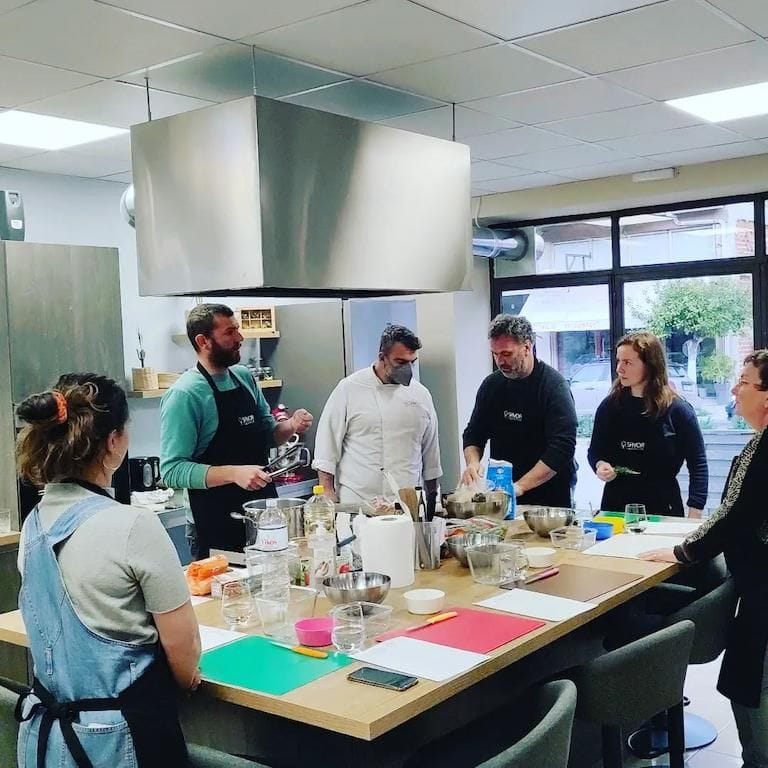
<point>739,529</point>
<point>643,432</point>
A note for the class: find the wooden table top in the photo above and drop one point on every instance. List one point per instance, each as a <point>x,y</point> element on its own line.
<point>9,539</point>
<point>366,712</point>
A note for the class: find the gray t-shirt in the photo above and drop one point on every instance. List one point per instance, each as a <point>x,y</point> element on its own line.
<point>119,566</point>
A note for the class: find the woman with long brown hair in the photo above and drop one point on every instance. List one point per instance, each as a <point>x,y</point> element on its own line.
<point>642,434</point>
<point>112,633</point>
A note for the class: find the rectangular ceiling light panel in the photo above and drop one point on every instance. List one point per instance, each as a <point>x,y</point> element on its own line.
<point>730,104</point>
<point>25,129</point>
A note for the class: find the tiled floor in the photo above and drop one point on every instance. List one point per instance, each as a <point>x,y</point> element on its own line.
<point>725,752</point>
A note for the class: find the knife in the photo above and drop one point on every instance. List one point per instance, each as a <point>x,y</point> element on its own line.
<point>435,620</point>
<point>301,650</point>
<point>542,575</point>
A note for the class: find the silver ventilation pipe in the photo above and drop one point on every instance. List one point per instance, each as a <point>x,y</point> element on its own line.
<point>499,243</point>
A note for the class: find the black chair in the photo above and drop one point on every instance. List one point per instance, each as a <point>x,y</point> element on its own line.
<point>633,683</point>
<point>712,615</point>
<point>547,745</point>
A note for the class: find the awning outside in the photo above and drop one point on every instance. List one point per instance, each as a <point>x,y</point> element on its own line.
<point>572,308</point>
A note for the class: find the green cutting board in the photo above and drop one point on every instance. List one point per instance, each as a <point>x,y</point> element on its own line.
<point>254,663</point>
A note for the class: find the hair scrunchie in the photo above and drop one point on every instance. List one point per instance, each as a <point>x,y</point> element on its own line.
<point>61,407</point>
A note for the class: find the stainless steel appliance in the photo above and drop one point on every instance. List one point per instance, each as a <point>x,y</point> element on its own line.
<point>144,472</point>
<point>59,312</point>
<point>299,202</point>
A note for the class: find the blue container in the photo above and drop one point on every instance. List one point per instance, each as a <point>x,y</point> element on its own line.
<point>602,530</point>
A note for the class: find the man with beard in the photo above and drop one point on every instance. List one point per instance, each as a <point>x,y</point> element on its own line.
<point>216,430</point>
<point>379,417</point>
<point>526,410</point>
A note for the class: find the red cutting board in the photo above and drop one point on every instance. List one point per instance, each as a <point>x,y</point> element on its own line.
<point>478,631</point>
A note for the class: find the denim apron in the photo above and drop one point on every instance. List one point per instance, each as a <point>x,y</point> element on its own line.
<point>94,701</point>
<point>239,439</point>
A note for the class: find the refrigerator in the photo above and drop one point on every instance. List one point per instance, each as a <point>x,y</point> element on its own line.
<point>59,312</point>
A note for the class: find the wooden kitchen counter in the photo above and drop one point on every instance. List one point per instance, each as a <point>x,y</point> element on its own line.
<point>366,713</point>
<point>9,539</point>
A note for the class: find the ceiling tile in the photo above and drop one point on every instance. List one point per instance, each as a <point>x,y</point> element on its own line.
<point>23,81</point>
<point>237,19</point>
<point>529,181</point>
<point>752,127</point>
<point>672,141</point>
<point>115,148</point>
<point>372,36</point>
<point>727,68</point>
<point>9,152</point>
<point>118,104</point>
<point>123,178</point>
<point>474,74</point>
<point>89,37</point>
<point>8,5</point>
<point>657,32</point>
<point>484,171</point>
<point>616,168</point>
<point>365,101</point>
<point>516,141</point>
<point>225,73</point>
<point>565,157</point>
<point>710,154</point>
<point>623,122</point>
<point>751,13</point>
<point>439,122</point>
<point>69,164</point>
<point>516,19</point>
<point>556,102</point>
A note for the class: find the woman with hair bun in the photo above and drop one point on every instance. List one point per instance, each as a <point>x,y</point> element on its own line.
<point>643,432</point>
<point>112,633</point>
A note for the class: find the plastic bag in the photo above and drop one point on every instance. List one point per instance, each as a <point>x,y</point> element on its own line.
<point>499,478</point>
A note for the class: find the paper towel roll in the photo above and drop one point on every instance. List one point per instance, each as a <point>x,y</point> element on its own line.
<point>387,547</point>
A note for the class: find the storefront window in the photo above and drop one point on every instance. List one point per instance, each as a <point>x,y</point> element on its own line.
<point>697,234</point>
<point>574,246</point>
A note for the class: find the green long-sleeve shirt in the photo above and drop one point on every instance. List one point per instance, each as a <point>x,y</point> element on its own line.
<point>188,422</point>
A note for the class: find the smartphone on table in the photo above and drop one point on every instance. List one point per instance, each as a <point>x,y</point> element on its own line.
<point>392,681</point>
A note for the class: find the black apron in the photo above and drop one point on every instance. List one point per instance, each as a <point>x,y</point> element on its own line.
<point>149,706</point>
<point>646,445</point>
<point>239,440</point>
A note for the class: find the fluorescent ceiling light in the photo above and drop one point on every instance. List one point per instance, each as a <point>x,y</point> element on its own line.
<point>730,104</point>
<point>26,129</point>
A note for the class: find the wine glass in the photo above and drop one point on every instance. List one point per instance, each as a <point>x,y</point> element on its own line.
<point>635,518</point>
<point>236,604</point>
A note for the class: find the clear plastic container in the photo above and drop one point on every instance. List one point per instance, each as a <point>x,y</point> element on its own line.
<point>376,619</point>
<point>279,616</point>
<point>573,537</point>
<point>319,511</point>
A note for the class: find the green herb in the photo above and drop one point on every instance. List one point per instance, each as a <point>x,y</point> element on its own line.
<point>625,471</point>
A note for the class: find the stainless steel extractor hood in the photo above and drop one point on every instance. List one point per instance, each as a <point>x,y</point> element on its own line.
<point>263,197</point>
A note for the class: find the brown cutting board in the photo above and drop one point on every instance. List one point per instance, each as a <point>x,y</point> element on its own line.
<point>579,583</point>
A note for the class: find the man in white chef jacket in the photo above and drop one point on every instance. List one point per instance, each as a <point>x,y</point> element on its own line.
<point>379,417</point>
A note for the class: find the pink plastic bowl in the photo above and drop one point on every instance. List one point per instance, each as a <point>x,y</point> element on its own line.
<point>314,632</point>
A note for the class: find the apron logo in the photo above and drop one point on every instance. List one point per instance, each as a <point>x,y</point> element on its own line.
<point>628,445</point>
<point>246,421</point>
<point>512,416</point>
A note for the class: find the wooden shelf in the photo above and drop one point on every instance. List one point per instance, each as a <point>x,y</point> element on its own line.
<point>182,340</point>
<point>154,393</point>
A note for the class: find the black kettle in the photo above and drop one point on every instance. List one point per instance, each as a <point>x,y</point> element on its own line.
<point>144,472</point>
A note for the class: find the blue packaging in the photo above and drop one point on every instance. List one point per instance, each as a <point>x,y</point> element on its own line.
<point>499,478</point>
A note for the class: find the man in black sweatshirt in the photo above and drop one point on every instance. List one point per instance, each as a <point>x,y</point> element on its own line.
<point>526,410</point>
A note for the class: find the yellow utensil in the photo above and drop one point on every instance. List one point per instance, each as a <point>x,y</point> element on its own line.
<point>302,650</point>
<point>435,620</point>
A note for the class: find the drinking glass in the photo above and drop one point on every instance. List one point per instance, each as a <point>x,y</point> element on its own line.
<point>348,633</point>
<point>5,520</point>
<point>236,604</point>
<point>635,518</point>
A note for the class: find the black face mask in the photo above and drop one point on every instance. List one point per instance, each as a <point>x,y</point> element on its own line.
<point>401,374</point>
<point>223,358</point>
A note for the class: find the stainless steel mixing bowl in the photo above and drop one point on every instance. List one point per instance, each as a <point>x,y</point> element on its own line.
<point>544,520</point>
<point>457,545</point>
<point>360,586</point>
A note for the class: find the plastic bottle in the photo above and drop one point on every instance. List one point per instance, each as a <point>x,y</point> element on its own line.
<point>319,512</point>
<point>272,540</point>
<point>322,545</point>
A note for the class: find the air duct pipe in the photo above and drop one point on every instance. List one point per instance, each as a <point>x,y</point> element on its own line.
<point>490,243</point>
